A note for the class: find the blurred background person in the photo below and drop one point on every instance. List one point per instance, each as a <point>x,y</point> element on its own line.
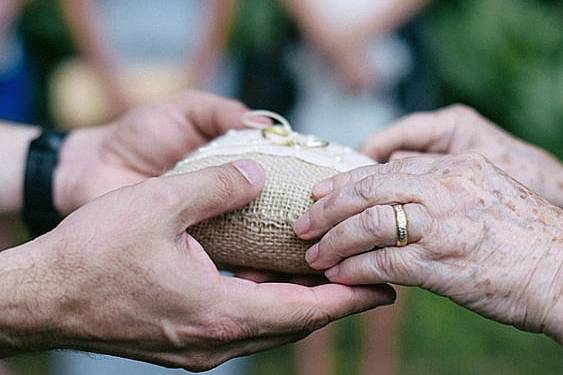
<point>348,67</point>
<point>132,52</point>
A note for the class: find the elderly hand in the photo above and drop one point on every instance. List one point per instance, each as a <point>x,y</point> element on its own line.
<point>459,129</point>
<point>144,143</point>
<point>475,235</point>
<point>121,276</point>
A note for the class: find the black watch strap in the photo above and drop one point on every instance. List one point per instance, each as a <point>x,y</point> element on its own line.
<point>39,211</point>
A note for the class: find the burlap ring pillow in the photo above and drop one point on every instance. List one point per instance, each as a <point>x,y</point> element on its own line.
<point>261,235</point>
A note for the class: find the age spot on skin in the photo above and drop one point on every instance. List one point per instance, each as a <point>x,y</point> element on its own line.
<point>511,206</point>
<point>483,284</point>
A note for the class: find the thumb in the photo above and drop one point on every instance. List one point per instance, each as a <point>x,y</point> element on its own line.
<point>200,195</point>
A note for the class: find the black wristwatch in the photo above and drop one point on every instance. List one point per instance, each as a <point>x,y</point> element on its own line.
<point>39,211</point>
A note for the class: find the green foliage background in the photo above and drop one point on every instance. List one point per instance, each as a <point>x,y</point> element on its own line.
<point>504,57</point>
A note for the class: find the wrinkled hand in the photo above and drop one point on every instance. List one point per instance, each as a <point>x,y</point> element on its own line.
<point>121,276</point>
<point>458,129</point>
<point>144,143</point>
<point>475,235</point>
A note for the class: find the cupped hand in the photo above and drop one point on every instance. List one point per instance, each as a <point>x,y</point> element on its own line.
<point>121,276</point>
<point>476,236</point>
<point>144,143</point>
<point>458,129</point>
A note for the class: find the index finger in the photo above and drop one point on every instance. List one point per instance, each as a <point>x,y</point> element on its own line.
<point>426,131</point>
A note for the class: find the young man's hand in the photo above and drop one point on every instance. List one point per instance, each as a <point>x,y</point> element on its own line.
<point>143,143</point>
<point>121,276</point>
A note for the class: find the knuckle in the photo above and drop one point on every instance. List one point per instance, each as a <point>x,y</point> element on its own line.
<point>365,189</point>
<point>465,164</point>
<point>370,222</point>
<point>397,165</point>
<point>343,178</point>
<point>460,111</point>
<point>331,202</point>
<point>313,316</point>
<point>223,331</point>
<point>475,160</point>
<point>309,316</point>
<point>225,182</point>
<point>311,319</point>
<point>328,248</point>
<point>380,263</point>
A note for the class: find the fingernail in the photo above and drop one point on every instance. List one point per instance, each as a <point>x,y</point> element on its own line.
<point>250,170</point>
<point>312,254</point>
<point>323,188</point>
<point>302,225</point>
<point>332,272</point>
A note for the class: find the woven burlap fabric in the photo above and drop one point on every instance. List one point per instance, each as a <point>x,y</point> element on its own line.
<point>261,234</point>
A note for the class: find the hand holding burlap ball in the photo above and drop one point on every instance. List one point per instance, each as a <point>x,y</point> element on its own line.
<point>260,235</point>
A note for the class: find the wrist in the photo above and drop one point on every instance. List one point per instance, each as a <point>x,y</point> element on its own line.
<point>28,300</point>
<point>77,157</point>
<point>14,154</point>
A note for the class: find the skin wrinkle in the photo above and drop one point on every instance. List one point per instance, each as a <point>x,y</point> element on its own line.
<point>476,217</point>
<point>473,188</point>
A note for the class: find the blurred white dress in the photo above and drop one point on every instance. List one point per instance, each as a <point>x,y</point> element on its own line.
<point>328,109</point>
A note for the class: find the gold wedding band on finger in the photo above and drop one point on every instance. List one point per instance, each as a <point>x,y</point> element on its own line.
<point>402,223</point>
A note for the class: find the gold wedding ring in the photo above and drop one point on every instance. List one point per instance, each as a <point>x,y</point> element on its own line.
<point>402,223</point>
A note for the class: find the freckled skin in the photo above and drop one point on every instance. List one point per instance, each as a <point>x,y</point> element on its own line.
<point>457,129</point>
<point>490,244</point>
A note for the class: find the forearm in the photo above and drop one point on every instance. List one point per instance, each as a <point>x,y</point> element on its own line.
<point>26,300</point>
<point>14,142</point>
